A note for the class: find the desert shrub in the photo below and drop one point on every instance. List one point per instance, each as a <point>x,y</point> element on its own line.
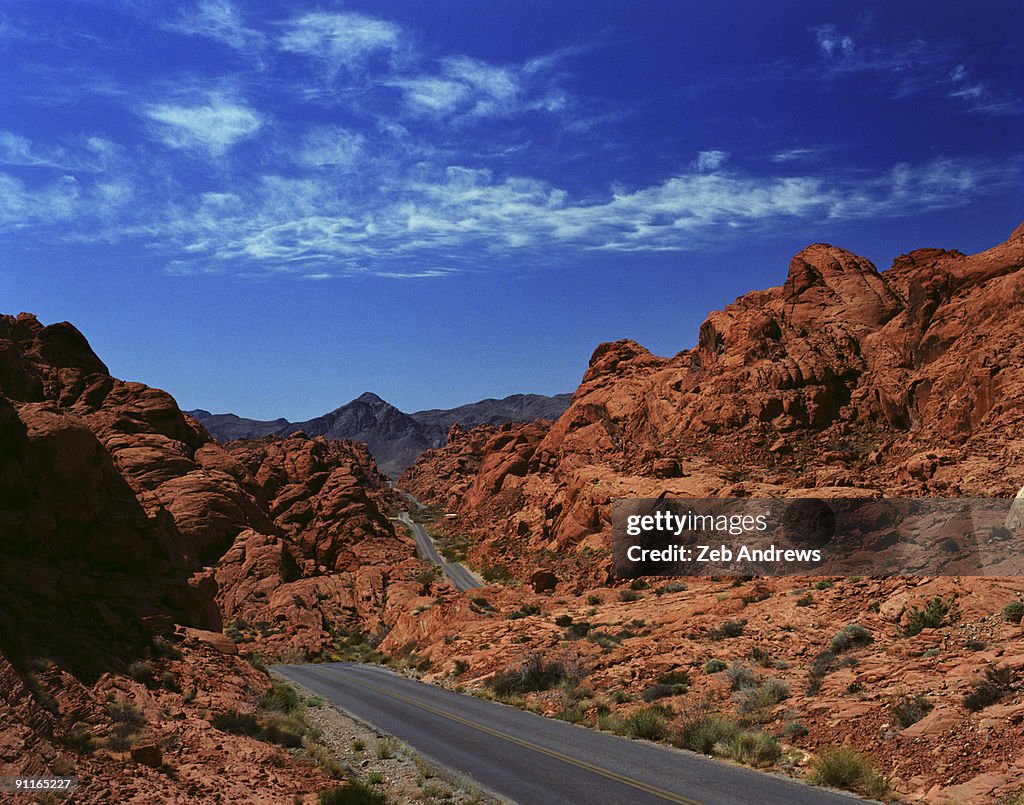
<point>497,574</point>
<point>1014,612</point>
<point>284,730</point>
<point>767,693</point>
<point>385,748</point>
<point>750,747</point>
<point>677,676</point>
<point>534,674</point>
<point>989,689</point>
<point>805,600</point>
<point>169,681</point>
<point>237,723</point>
<point>761,656</point>
<point>460,667</point>
<point>647,723</point>
<point>931,617</point>
<point>563,620</point>
<point>629,595</point>
<point>794,730</point>
<point>593,600</point>
<point>850,636</point>
<point>603,639</point>
<point>639,584</point>
<point>848,769</point>
<point>355,793</point>
<point>714,666</point>
<point>80,741</point>
<point>326,760</point>
<point>141,672</point>
<point>124,712</point>
<point>975,645</point>
<point>621,697</point>
<point>704,731</point>
<point>281,697</point>
<point>822,665</point>
<point>660,691</point>
<point>740,677</point>
<point>727,629</point>
<point>672,587</point>
<point>577,630</point>
<point>824,584</point>
<point>162,647</point>
<point>525,611</point>
<point>909,710</point>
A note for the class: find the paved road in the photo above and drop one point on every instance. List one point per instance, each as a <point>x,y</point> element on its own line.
<point>459,576</point>
<point>539,761</point>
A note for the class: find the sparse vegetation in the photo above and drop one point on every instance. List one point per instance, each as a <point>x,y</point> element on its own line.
<point>496,574</point>
<point>794,731</point>
<point>846,768</point>
<point>1014,612</point>
<point>525,611</point>
<point>931,617</point>
<point>714,666</point>
<point>355,793</point>
<point>534,674</point>
<point>751,747</point>
<point>649,723</point>
<point>728,629</point>
<point>629,595</point>
<point>989,688</point>
<point>141,672</point>
<point>850,636</point>
<point>752,701</point>
<point>909,710</point>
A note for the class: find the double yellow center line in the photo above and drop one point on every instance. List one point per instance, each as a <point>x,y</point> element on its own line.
<point>607,773</point>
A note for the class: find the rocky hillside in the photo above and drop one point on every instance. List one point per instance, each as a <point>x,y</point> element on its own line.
<point>395,439</point>
<point>844,380</point>
<point>127,534</point>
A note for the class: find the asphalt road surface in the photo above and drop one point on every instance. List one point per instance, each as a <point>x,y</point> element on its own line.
<point>459,576</point>
<point>533,760</point>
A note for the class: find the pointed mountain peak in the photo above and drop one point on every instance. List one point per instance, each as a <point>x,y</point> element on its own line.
<point>370,397</point>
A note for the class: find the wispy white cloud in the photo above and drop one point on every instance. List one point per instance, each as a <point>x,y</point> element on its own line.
<point>468,89</point>
<point>832,43</point>
<point>91,154</point>
<point>77,206</point>
<point>340,40</point>
<point>212,126</point>
<point>709,161</point>
<point>330,147</point>
<point>910,67</point>
<point>806,153</point>
<point>457,216</point>
<point>219,20</point>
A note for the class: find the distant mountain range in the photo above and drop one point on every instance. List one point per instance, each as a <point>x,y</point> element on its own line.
<point>394,437</point>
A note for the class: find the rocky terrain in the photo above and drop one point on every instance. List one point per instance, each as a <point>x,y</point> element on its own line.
<point>395,439</point>
<point>127,534</point>
<point>147,570</point>
<point>843,381</point>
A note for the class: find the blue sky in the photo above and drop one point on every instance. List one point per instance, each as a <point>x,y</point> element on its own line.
<point>269,208</point>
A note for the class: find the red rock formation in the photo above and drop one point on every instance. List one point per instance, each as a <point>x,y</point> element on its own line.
<point>906,381</point>
<point>118,517</point>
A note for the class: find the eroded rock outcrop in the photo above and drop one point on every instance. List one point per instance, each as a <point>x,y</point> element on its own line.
<point>906,381</point>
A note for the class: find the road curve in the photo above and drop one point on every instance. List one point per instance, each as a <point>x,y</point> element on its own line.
<point>459,576</point>
<point>538,761</point>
